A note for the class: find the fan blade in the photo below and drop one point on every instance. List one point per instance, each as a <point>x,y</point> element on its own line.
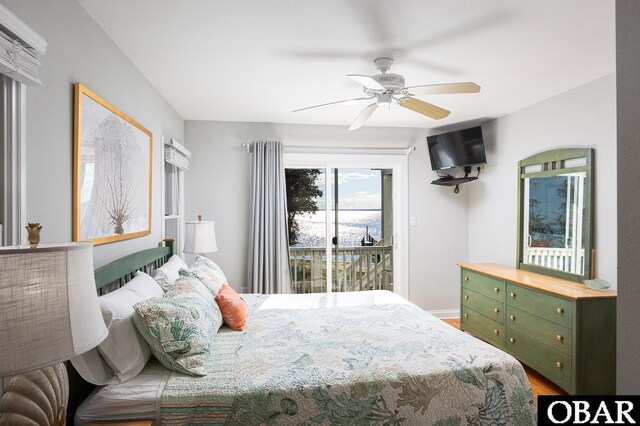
<point>333,103</point>
<point>366,81</point>
<point>424,108</point>
<point>364,116</point>
<point>443,89</point>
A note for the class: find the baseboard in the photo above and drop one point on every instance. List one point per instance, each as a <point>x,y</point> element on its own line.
<point>446,313</point>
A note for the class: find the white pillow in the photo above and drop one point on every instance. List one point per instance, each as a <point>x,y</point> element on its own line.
<point>124,353</point>
<point>93,369</point>
<point>167,274</point>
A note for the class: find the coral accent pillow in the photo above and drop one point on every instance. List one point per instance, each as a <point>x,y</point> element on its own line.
<point>234,309</point>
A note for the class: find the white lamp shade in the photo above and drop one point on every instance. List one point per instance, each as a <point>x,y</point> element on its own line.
<point>200,237</point>
<point>49,308</point>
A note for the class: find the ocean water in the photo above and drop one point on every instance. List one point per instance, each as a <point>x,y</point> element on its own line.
<point>352,225</point>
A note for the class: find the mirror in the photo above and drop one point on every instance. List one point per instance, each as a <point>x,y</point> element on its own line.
<point>555,203</point>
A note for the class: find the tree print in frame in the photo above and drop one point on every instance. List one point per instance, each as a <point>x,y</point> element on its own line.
<point>112,172</point>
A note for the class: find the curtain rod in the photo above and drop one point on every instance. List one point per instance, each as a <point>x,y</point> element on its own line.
<point>312,149</point>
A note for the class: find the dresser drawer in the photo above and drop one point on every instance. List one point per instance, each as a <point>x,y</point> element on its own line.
<point>483,284</point>
<point>488,328</point>
<point>551,334</point>
<point>488,307</point>
<point>541,304</point>
<point>553,364</point>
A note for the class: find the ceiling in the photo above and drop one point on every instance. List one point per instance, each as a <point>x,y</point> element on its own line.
<point>257,61</point>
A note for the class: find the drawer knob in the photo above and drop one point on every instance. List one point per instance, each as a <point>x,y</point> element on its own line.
<point>513,317</point>
<point>466,278</point>
<point>496,310</point>
<point>496,332</point>
<point>559,338</point>
<point>512,340</point>
<point>513,295</point>
<point>466,297</point>
<point>496,289</point>
<point>560,311</point>
<point>558,364</point>
<point>466,315</point>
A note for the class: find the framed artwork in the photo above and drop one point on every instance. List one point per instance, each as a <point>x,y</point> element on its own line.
<point>111,172</point>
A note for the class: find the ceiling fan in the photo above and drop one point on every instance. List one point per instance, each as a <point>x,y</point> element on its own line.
<point>386,88</point>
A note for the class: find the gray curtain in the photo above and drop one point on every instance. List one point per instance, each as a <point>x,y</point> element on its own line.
<point>268,257</point>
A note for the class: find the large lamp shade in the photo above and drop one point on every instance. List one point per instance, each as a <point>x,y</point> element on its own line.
<point>49,308</point>
<point>200,237</point>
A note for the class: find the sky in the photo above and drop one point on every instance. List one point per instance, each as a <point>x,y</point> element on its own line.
<point>358,189</point>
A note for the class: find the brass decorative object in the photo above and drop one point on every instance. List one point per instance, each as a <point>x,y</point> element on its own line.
<point>33,229</point>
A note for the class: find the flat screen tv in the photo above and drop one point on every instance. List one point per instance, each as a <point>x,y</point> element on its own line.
<point>457,149</point>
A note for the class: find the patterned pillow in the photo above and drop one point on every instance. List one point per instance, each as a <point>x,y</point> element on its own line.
<point>208,272</point>
<point>234,309</point>
<point>180,325</point>
<point>205,276</point>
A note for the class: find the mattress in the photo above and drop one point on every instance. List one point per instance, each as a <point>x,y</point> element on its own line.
<point>344,358</point>
<point>135,399</point>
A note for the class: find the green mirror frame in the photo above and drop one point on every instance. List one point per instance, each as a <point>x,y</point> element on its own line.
<point>552,163</point>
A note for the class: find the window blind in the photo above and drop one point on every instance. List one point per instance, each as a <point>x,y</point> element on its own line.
<point>20,49</point>
<point>176,154</point>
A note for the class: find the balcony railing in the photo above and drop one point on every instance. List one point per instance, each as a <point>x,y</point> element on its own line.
<point>559,258</point>
<point>359,268</point>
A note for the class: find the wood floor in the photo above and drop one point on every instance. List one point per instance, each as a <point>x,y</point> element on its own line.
<point>539,384</point>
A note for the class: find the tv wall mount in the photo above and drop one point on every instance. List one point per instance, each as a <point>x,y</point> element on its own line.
<point>448,180</point>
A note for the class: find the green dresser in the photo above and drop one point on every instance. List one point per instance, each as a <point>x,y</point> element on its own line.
<point>562,329</point>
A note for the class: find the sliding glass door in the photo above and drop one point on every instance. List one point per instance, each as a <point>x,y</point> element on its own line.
<point>340,228</point>
<point>361,257</point>
<point>350,219</point>
<point>307,221</point>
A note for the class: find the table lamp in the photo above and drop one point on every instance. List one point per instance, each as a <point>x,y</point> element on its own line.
<point>200,237</point>
<point>49,313</point>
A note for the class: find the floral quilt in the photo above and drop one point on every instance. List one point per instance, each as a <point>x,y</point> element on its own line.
<point>349,359</point>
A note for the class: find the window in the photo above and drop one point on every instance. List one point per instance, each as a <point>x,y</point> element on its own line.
<point>13,163</point>
<point>176,161</point>
<point>21,49</point>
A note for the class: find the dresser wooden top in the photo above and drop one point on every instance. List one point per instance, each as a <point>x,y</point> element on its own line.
<point>545,283</point>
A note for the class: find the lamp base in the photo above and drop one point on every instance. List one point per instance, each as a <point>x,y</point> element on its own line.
<point>29,398</point>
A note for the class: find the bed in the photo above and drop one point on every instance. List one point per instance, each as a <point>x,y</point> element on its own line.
<point>349,358</point>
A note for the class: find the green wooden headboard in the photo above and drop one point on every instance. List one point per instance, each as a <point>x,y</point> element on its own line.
<point>109,277</point>
<point>119,272</point>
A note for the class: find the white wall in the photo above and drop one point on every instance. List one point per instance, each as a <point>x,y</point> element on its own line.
<point>80,51</point>
<point>628,93</point>
<point>479,224</point>
<point>217,186</point>
<point>581,117</point>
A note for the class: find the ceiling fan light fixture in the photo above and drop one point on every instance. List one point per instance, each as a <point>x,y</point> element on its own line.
<point>363,116</point>
<point>383,64</point>
<point>387,88</point>
<point>424,108</point>
<point>384,98</point>
<point>391,82</point>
